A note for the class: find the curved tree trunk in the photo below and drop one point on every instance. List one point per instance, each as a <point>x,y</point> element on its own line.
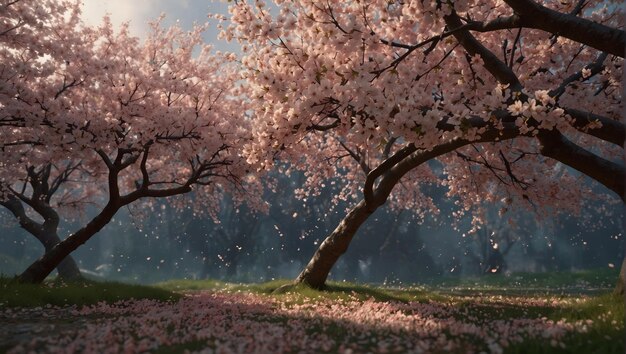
<point>336,244</point>
<point>41,268</point>
<point>391,171</point>
<point>45,232</point>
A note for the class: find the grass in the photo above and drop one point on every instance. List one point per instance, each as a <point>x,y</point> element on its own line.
<point>334,290</point>
<point>605,334</point>
<point>192,285</point>
<point>192,346</point>
<point>596,281</point>
<point>86,292</point>
<point>576,302</point>
<point>472,296</point>
<point>579,281</point>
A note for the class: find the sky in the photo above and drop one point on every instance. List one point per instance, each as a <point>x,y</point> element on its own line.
<point>140,12</point>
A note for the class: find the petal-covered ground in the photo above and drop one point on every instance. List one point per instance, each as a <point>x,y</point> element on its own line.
<point>226,322</point>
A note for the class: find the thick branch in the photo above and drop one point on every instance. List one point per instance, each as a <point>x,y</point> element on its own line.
<point>558,147</point>
<point>593,34</point>
<point>555,145</point>
<point>418,157</point>
<point>611,130</point>
<point>473,47</point>
<point>145,176</point>
<point>384,167</point>
<point>17,209</point>
<point>154,193</point>
<point>114,189</point>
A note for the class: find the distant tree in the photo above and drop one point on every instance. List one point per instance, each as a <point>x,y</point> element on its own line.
<point>501,94</point>
<point>222,246</point>
<point>400,255</point>
<point>489,246</point>
<point>145,120</point>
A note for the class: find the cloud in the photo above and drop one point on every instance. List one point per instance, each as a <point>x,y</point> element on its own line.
<point>137,12</point>
<point>140,12</point>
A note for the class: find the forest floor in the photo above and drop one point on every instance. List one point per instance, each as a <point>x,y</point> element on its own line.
<point>470,316</point>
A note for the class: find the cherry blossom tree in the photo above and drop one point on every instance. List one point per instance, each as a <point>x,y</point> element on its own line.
<point>507,103</point>
<point>37,192</point>
<point>22,27</point>
<point>142,120</point>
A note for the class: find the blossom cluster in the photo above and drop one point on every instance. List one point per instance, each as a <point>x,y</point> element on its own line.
<point>333,84</point>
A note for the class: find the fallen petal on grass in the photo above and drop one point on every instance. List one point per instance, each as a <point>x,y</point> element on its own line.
<point>219,321</point>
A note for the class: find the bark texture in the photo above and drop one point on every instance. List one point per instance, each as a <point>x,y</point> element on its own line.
<point>45,232</point>
<point>317,270</point>
<point>68,269</point>
<point>41,268</point>
<point>596,35</point>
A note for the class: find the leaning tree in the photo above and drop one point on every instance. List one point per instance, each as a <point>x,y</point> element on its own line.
<point>505,103</point>
<point>142,120</point>
<point>43,191</point>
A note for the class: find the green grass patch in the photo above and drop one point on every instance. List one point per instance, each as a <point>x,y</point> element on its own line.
<point>351,291</point>
<point>334,290</point>
<point>13,294</point>
<point>182,348</point>
<point>191,285</point>
<point>549,281</point>
<point>605,329</point>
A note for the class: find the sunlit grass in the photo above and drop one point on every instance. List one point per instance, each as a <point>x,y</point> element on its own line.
<point>87,292</point>
<point>333,290</point>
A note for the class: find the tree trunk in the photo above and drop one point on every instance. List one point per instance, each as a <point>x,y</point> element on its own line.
<point>391,171</point>
<point>336,244</point>
<point>41,268</point>
<point>619,289</point>
<point>68,269</point>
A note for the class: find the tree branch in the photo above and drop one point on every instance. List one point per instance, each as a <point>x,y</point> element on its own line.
<point>612,131</point>
<point>558,147</point>
<point>495,66</point>
<point>596,67</point>
<point>593,34</point>
<point>17,209</point>
<point>368,187</point>
<point>417,157</point>
<point>357,157</point>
